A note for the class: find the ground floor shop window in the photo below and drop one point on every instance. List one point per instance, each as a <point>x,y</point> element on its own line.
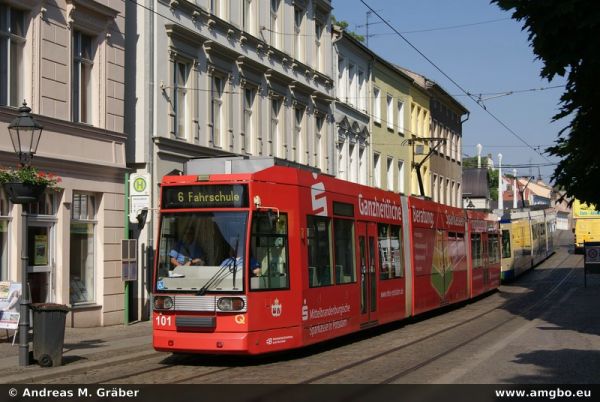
<point>81,257</point>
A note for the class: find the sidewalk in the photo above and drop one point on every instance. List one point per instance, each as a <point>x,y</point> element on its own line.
<point>84,348</point>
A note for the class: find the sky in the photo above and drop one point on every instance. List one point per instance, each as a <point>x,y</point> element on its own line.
<point>486,53</point>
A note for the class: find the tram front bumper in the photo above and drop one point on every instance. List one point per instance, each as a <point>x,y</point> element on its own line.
<point>199,342</point>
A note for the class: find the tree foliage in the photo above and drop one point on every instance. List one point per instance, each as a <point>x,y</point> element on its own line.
<point>565,36</point>
<point>344,25</point>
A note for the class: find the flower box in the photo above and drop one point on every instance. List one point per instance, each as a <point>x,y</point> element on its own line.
<point>24,193</point>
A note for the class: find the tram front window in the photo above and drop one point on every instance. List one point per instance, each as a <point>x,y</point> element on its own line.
<point>202,252</point>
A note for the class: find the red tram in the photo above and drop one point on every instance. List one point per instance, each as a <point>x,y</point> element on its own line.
<point>279,257</point>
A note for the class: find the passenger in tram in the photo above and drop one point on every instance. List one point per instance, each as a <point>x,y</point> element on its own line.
<point>187,251</point>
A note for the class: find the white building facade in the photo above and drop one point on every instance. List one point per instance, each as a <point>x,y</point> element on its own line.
<point>354,65</point>
<point>210,78</point>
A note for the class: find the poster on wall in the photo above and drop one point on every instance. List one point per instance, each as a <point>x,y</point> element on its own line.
<point>41,250</point>
<point>10,294</point>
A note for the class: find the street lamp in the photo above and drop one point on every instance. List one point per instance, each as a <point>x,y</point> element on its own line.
<point>25,135</point>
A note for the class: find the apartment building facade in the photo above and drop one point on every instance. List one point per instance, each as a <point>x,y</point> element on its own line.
<point>446,160</point>
<point>65,58</point>
<point>352,114</point>
<point>437,120</point>
<point>391,100</point>
<point>213,77</point>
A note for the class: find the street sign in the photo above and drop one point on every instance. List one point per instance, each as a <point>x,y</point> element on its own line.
<point>591,264</point>
<point>139,195</point>
<point>592,254</point>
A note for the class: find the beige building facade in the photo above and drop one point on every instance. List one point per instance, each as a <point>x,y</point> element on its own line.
<point>66,59</point>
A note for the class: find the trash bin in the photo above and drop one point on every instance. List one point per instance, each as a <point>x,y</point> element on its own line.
<point>48,333</point>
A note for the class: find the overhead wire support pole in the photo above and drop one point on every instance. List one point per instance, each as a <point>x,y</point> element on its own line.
<point>417,165</point>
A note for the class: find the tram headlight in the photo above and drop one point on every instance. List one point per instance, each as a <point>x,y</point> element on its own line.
<point>231,304</point>
<point>163,303</point>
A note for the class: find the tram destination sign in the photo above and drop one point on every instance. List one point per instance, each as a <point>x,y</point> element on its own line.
<point>205,196</point>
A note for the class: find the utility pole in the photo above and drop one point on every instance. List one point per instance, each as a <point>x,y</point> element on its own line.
<point>367,26</point>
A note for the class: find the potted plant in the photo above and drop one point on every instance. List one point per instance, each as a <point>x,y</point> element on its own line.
<point>26,184</point>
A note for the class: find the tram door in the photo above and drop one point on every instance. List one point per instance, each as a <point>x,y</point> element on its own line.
<point>367,235</point>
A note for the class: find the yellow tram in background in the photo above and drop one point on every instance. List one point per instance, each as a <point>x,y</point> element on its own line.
<point>586,224</point>
<point>527,239</point>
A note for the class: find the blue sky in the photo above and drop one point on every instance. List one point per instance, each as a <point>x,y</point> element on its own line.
<point>486,58</point>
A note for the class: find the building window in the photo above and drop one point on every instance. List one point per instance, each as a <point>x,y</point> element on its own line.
<point>275,29</point>
<point>217,7</point>
<point>390,174</point>
<point>297,146</point>
<point>341,80</point>
<point>81,260</point>
<point>181,75</point>
<point>216,112</point>
<point>12,42</point>
<point>83,63</point>
<point>298,17</point>
<point>377,105</point>
<point>320,150</point>
<point>318,36</point>
<point>401,117</point>
<point>249,16</point>
<point>377,170</point>
<point>352,163</point>
<point>248,136</point>
<point>401,176</point>
<point>352,85</point>
<point>362,98</point>
<point>362,166</point>
<point>390,112</point>
<point>274,132</point>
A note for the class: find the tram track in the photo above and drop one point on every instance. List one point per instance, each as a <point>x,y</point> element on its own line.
<point>184,369</point>
<point>386,353</point>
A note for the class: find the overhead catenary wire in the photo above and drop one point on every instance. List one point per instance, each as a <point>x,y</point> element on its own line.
<point>452,80</point>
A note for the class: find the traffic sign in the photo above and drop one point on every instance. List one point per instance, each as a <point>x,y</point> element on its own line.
<point>592,254</point>
<point>139,195</point>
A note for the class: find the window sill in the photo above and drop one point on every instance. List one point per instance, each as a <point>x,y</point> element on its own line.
<point>86,306</point>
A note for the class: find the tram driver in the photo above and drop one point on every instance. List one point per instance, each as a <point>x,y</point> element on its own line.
<point>187,251</point>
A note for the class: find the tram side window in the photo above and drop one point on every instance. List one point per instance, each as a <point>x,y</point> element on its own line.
<point>493,249</point>
<point>269,247</point>
<point>344,251</point>
<point>476,250</point>
<point>506,252</point>
<point>391,261</point>
<point>319,251</point>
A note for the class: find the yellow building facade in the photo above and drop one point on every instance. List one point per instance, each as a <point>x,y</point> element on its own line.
<point>400,115</point>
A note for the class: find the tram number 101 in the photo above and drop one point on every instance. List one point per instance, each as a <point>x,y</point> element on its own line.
<point>164,321</point>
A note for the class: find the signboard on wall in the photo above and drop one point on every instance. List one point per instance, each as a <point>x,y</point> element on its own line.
<point>10,295</point>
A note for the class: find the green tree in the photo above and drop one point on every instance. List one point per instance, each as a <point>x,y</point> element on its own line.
<point>344,25</point>
<point>565,35</point>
